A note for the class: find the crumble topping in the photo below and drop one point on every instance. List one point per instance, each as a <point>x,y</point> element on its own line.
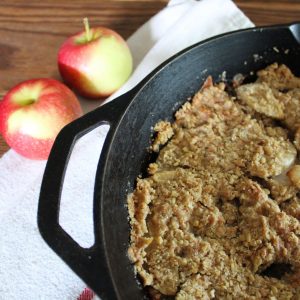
<point>220,208</point>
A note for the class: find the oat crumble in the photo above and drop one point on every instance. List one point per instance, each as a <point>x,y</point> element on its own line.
<point>221,203</point>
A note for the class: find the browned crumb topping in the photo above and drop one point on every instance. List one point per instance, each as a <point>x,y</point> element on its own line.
<point>297,139</point>
<point>279,77</point>
<point>220,207</point>
<point>164,132</point>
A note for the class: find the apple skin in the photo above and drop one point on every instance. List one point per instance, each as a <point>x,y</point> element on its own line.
<point>95,68</point>
<point>33,112</point>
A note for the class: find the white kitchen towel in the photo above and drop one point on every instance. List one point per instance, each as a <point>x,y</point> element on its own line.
<point>29,268</point>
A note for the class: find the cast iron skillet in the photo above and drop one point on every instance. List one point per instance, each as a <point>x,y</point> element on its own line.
<point>105,266</point>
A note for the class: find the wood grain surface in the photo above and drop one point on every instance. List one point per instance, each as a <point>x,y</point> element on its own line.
<point>31,32</point>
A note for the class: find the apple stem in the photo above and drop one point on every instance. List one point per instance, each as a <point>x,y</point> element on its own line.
<point>87,29</point>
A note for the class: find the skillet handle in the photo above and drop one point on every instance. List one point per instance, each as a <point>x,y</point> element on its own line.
<point>89,263</point>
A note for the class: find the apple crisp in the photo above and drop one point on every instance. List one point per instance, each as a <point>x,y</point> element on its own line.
<point>218,217</point>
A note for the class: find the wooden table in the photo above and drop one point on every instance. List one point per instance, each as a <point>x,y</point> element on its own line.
<point>32,31</point>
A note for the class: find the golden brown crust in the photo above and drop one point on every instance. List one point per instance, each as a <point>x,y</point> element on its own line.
<point>164,132</point>
<point>297,139</point>
<point>294,175</point>
<point>292,109</point>
<point>279,77</point>
<point>220,204</point>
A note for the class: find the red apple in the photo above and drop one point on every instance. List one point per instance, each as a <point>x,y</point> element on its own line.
<point>95,62</point>
<point>33,112</point>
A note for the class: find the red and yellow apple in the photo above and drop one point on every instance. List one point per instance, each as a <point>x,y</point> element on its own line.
<point>95,62</point>
<point>33,112</point>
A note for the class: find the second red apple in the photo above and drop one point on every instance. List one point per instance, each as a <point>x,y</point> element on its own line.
<point>32,114</point>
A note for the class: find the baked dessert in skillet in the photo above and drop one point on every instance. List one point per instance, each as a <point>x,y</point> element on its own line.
<point>218,217</point>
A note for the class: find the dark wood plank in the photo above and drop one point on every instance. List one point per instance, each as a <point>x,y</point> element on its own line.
<point>270,12</point>
<point>31,32</point>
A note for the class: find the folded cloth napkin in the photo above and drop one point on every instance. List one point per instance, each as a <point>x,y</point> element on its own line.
<point>29,268</point>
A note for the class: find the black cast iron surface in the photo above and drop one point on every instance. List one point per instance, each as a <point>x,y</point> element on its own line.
<point>105,266</point>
